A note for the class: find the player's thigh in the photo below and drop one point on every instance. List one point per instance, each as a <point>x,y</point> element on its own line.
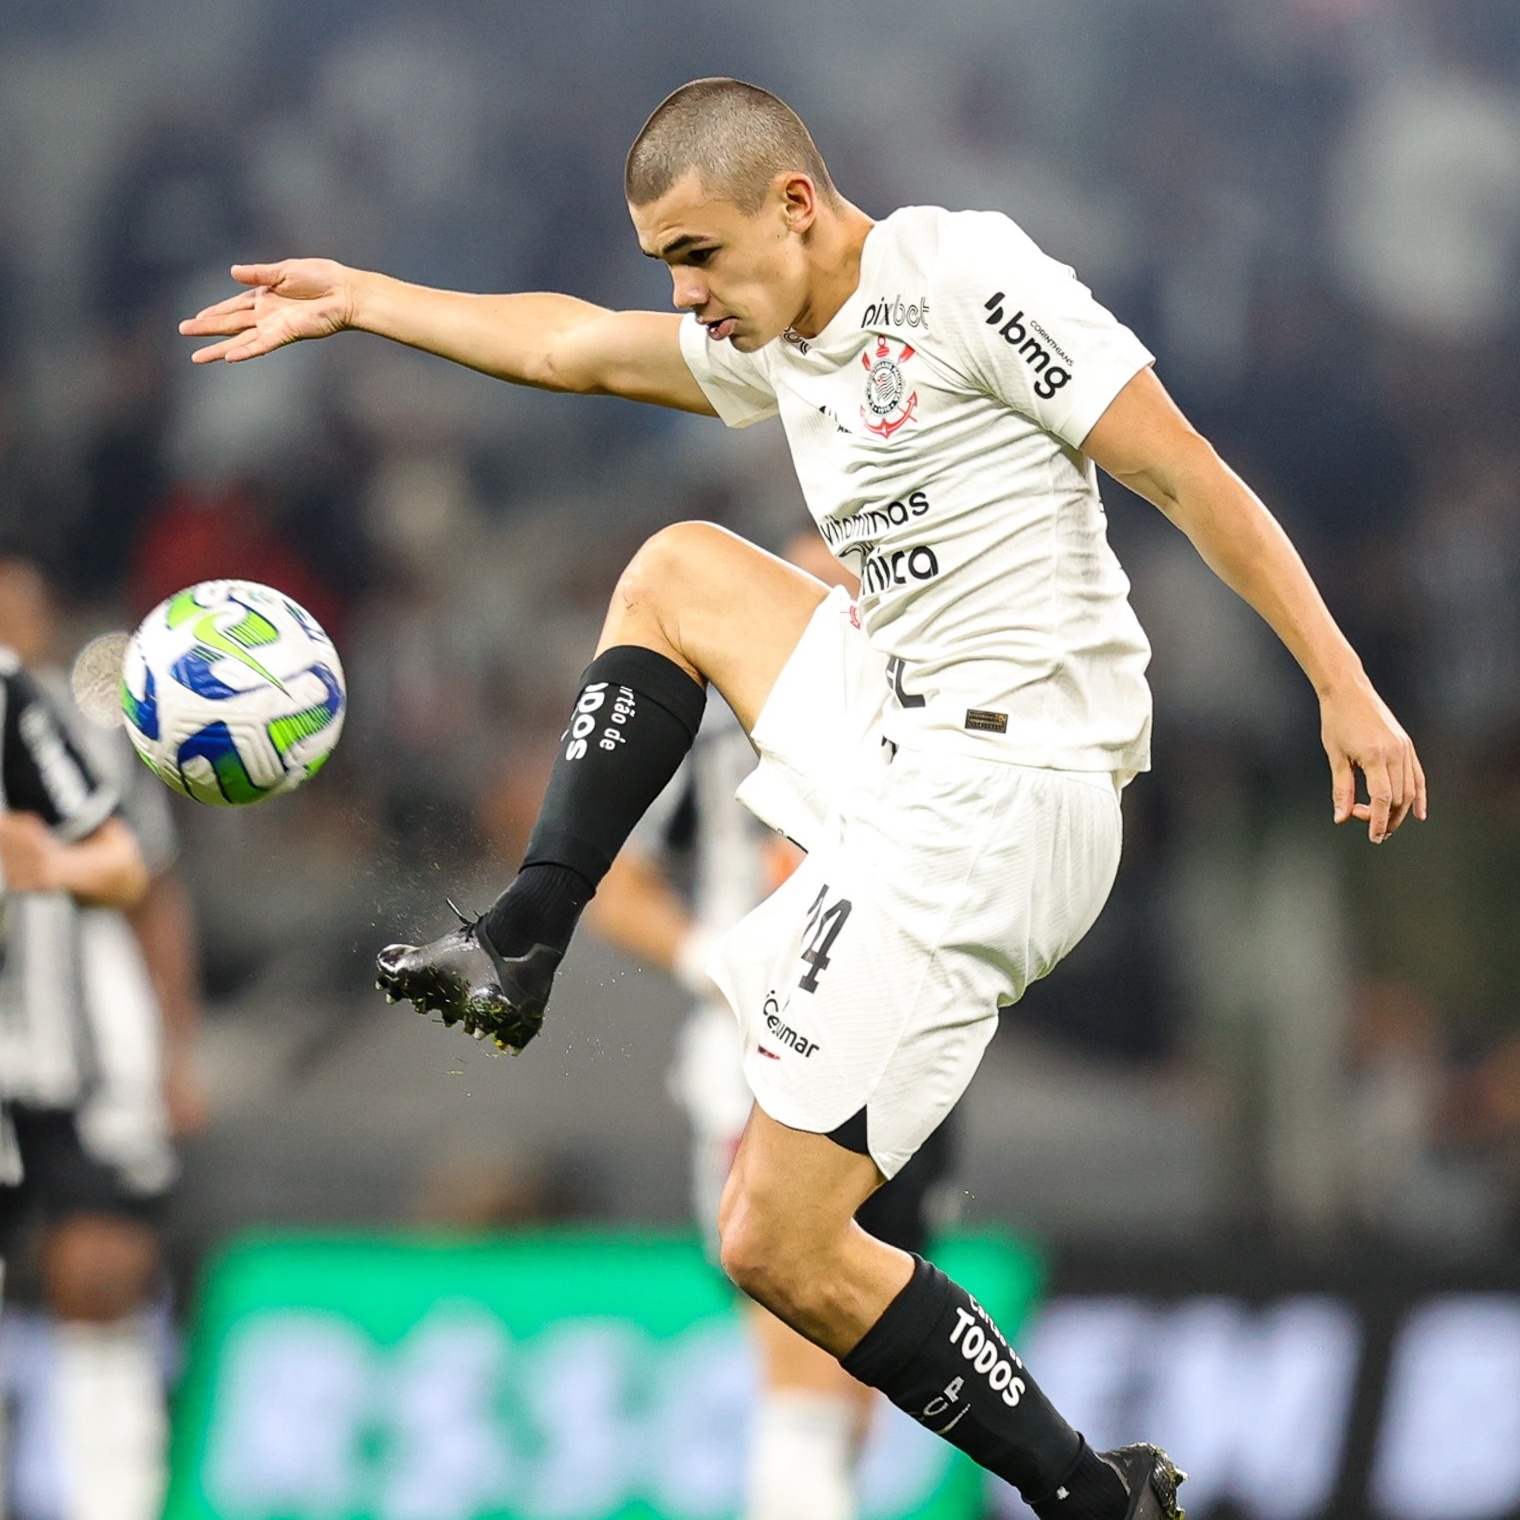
<point>723,607</point>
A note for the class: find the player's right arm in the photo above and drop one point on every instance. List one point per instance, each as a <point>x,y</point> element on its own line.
<point>553,342</point>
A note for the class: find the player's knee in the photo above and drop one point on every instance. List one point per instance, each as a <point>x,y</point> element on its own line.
<point>667,561</point>
<point>747,1258</point>
<point>98,1267</point>
<point>760,1258</point>
<point>728,1203</point>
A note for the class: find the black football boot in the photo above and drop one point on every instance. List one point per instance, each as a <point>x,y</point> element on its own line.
<point>1150,1477</point>
<point>462,979</point>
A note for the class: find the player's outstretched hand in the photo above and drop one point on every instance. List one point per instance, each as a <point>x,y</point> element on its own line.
<point>1360,734</point>
<point>285,302</point>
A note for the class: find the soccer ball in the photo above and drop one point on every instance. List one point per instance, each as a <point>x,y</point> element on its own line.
<point>232,692</point>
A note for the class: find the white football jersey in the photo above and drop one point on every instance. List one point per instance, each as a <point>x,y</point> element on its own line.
<point>936,425</point>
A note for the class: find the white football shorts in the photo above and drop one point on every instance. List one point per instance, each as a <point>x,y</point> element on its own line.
<point>937,887</point>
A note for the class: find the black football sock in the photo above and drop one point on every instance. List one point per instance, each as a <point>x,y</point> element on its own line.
<point>937,1355</point>
<point>1092,1490</point>
<point>541,907</point>
<point>633,722</point>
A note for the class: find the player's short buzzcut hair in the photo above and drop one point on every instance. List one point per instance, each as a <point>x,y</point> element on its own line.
<point>737,137</point>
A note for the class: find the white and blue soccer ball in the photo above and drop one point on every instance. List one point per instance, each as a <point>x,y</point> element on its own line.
<point>232,692</point>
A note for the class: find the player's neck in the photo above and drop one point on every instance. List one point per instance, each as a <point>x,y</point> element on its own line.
<point>835,243</point>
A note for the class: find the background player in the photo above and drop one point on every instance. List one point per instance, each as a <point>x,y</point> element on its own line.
<point>813,1417</point>
<point>101,1005</point>
<point>1012,640</point>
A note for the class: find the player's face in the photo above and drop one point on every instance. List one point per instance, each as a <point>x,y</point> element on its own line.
<point>745,276</point>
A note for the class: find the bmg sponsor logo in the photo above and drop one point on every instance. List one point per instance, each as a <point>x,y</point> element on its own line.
<point>1033,345</point>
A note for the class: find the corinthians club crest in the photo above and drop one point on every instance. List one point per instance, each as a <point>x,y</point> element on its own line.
<point>889,403</point>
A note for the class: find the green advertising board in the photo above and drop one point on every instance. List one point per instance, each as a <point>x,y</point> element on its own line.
<point>554,1376</point>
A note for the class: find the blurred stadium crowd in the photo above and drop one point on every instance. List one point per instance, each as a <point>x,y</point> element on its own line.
<point>1309,209</point>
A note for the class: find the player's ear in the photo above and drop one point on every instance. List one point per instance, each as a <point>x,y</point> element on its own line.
<point>799,200</point>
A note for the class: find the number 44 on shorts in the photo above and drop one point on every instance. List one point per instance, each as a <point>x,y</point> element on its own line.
<point>823,926</point>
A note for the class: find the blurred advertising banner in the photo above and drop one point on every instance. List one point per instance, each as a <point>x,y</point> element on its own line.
<point>578,1376</point>
<point>1357,1386</point>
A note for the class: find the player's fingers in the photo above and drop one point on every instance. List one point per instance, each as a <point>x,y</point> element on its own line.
<point>260,340</point>
<point>1379,799</point>
<point>212,352</point>
<point>1421,802</point>
<point>1400,789</point>
<point>1342,787</point>
<point>257,274</point>
<point>217,324</point>
<point>1409,791</point>
<point>250,340</point>
<point>239,346</point>
<point>241,349</point>
<point>243,301</point>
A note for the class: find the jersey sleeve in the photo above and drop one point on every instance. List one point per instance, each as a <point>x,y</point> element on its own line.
<point>738,385</point>
<point>43,770</point>
<point>1026,331</point>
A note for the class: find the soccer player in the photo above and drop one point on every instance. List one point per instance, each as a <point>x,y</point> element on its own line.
<point>68,858</point>
<point>950,749</point>
<point>97,1009</point>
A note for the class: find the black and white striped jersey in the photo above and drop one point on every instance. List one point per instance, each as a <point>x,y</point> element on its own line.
<point>45,1057</point>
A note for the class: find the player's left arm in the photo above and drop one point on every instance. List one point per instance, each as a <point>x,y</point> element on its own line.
<point>1146,444</point>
